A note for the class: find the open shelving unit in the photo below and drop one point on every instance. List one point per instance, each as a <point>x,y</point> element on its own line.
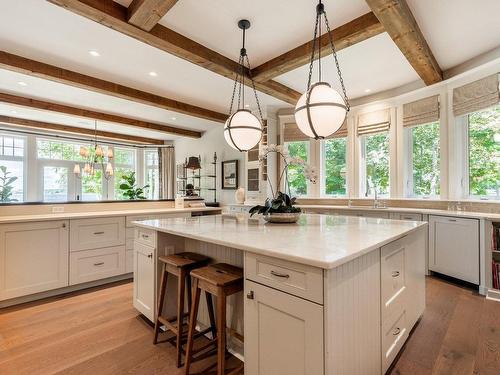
<point>204,182</point>
<point>495,258</point>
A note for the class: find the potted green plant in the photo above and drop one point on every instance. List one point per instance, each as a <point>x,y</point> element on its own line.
<point>129,188</point>
<point>6,185</point>
<point>281,207</point>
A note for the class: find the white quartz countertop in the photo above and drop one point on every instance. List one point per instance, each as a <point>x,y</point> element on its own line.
<point>93,214</point>
<point>425,211</point>
<point>324,241</point>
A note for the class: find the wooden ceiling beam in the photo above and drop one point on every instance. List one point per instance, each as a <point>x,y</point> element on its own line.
<point>16,121</point>
<point>400,24</point>
<point>114,16</point>
<point>34,68</point>
<point>147,13</point>
<point>95,115</point>
<point>353,32</point>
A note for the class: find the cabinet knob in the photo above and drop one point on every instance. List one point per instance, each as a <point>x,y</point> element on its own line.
<point>150,255</point>
<point>395,273</point>
<point>396,331</point>
<point>250,295</point>
<point>64,225</point>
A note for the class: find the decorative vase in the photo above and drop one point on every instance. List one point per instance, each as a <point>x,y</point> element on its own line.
<point>283,218</point>
<point>239,195</point>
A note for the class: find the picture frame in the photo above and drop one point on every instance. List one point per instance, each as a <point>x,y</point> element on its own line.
<point>229,173</point>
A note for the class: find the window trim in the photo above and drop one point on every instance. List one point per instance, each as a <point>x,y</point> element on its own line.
<point>322,169</point>
<point>363,193</point>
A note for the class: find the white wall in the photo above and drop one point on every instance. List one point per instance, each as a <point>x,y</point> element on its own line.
<point>212,141</point>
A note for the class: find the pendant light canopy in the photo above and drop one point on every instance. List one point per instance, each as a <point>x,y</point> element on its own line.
<point>321,110</point>
<point>243,130</point>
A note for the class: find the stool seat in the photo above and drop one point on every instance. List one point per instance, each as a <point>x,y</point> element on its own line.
<point>220,274</point>
<point>184,260</point>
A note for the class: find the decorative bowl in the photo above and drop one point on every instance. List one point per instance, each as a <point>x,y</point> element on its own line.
<point>283,218</point>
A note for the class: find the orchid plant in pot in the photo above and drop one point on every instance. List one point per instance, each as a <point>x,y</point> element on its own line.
<point>281,207</point>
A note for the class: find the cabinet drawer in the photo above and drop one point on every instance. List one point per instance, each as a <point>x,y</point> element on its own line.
<point>131,219</point>
<point>394,335</point>
<point>297,279</point>
<point>407,216</point>
<point>89,265</point>
<point>86,234</point>
<point>145,236</point>
<point>393,277</point>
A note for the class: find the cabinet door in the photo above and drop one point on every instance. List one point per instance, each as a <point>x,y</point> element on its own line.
<point>144,279</point>
<point>283,333</point>
<point>33,257</point>
<point>454,247</point>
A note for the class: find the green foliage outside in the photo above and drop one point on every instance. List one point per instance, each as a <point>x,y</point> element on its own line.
<point>129,189</point>
<point>484,153</point>
<point>296,178</point>
<point>92,186</point>
<point>6,185</point>
<point>426,161</point>
<point>377,163</point>
<point>335,166</point>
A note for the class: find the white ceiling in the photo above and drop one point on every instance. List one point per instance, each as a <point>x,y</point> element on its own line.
<point>53,35</point>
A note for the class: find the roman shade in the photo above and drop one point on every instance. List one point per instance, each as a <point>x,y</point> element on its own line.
<point>374,122</point>
<point>476,96</point>
<point>292,133</point>
<point>166,175</point>
<point>422,111</point>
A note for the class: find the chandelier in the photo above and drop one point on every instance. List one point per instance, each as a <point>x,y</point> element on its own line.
<point>243,130</point>
<point>95,159</point>
<point>321,110</point>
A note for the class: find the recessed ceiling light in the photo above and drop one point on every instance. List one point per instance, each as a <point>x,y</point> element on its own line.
<point>153,74</point>
<point>368,90</point>
<point>94,53</point>
<point>21,83</point>
<point>174,118</point>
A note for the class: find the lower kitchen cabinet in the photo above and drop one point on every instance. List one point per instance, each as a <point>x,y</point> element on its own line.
<point>96,264</point>
<point>283,333</point>
<point>454,247</point>
<point>33,257</point>
<point>144,279</point>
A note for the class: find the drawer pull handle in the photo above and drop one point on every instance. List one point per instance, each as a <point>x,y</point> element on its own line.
<point>145,236</point>
<point>407,218</point>
<point>397,331</point>
<point>277,274</point>
<point>453,220</point>
<point>98,264</point>
<point>250,295</point>
<point>98,232</point>
<point>150,255</point>
<point>395,273</point>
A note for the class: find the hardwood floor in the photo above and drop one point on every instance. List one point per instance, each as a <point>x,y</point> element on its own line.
<point>99,332</point>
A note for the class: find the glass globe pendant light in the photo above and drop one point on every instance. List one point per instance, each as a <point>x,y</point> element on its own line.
<point>321,110</point>
<point>243,130</point>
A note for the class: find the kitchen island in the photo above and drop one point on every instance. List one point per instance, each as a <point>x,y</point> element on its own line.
<point>328,295</point>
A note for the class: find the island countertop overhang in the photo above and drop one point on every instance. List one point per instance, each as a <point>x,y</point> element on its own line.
<point>323,241</point>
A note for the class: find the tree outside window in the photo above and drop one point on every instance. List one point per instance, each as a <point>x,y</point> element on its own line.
<point>484,153</point>
<point>376,149</point>
<point>296,178</point>
<point>335,164</point>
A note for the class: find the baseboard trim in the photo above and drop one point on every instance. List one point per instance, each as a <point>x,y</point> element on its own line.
<point>65,290</point>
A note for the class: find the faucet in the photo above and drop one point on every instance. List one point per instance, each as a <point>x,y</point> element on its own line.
<point>376,203</point>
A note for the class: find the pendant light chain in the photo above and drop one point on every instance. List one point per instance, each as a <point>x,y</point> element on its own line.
<point>254,90</point>
<point>313,53</point>
<point>344,92</point>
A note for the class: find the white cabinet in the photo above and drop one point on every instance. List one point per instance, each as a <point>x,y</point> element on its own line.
<point>454,247</point>
<point>144,279</point>
<point>97,233</point>
<point>33,257</point>
<point>283,333</point>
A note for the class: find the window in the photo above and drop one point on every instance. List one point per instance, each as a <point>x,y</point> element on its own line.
<point>151,174</point>
<point>484,153</point>
<point>423,168</point>
<point>334,154</point>
<point>124,159</point>
<point>12,168</point>
<point>375,153</point>
<point>296,177</point>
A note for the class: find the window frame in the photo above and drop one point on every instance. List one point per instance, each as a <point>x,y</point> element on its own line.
<point>363,192</point>
<point>14,158</point>
<point>148,167</point>
<point>322,169</point>
<point>309,148</point>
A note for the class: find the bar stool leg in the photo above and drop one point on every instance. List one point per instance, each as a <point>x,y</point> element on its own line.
<point>221,333</point>
<point>189,295</point>
<point>192,325</point>
<point>180,313</point>
<point>210,308</point>
<point>163,287</point>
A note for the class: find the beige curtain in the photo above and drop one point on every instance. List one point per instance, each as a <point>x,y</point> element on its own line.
<point>292,133</point>
<point>166,169</point>
<point>422,111</point>
<point>374,122</point>
<point>476,96</point>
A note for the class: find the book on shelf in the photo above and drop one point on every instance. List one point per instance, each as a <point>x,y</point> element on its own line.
<point>495,274</point>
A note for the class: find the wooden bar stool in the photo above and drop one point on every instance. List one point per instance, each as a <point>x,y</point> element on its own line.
<point>220,280</point>
<point>179,265</point>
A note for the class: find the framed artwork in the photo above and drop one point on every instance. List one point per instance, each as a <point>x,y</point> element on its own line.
<point>230,174</point>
